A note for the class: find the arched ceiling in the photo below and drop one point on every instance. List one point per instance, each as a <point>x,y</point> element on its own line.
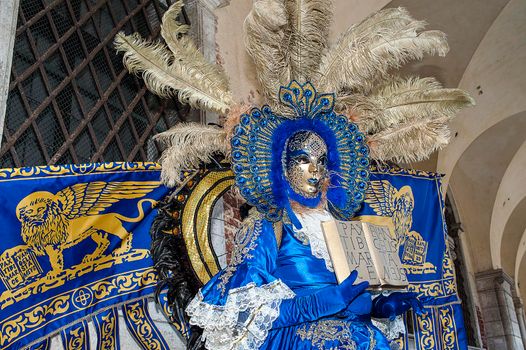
<point>513,239</point>
<point>511,192</point>
<point>465,23</point>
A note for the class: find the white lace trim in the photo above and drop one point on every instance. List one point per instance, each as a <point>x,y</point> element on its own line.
<point>311,222</point>
<point>245,319</point>
<point>391,329</point>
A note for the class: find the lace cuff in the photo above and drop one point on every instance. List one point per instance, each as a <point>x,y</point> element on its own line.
<point>391,329</point>
<point>245,319</point>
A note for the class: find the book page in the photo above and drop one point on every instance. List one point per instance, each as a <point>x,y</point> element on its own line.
<point>348,249</point>
<point>385,256</point>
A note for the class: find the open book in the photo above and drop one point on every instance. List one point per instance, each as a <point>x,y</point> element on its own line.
<point>367,248</point>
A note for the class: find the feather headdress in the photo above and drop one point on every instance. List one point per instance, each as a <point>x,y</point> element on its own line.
<point>404,119</point>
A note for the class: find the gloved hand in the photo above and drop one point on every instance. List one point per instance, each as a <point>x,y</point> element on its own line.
<point>361,305</point>
<point>324,302</point>
<point>394,304</point>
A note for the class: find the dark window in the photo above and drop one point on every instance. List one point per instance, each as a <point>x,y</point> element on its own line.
<point>70,99</point>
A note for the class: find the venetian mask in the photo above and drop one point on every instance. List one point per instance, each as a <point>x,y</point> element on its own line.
<point>306,163</point>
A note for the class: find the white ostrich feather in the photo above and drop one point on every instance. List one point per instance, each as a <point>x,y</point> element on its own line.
<point>182,46</point>
<point>265,42</point>
<point>367,51</point>
<point>187,146</point>
<point>180,71</point>
<point>308,32</point>
<point>410,142</point>
<point>403,100</point>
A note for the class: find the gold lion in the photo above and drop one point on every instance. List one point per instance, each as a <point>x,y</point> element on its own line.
<point>54,222</point>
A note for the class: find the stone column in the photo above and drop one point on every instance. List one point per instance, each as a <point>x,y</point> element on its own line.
<point>498,311</point>
<point>8,17</point>
<point>203,30</point>
<point>519,310</point>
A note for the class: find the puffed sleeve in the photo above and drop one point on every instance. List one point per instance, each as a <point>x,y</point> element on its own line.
<point>237,307</point>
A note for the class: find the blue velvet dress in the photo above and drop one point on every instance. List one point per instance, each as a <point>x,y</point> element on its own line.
<point>237,308</point>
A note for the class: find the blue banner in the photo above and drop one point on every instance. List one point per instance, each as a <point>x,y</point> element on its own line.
<point>142,327</point>
<point>410,203</point>
<point>75,241</point>
<point>107,327</point>
<point>76,337</point>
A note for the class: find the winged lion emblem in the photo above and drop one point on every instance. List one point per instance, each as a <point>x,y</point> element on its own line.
<point>386,200</point>
<point>52,223</point>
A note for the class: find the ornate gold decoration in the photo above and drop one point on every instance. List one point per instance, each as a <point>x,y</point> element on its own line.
<point>195,222</point>
<point>447,322</point>
<point>106,325</point>
<point>43,284</point>
<point>75,169</point>
<point>142,327</point>
<point>436,328</point>
<point>54,222</point>
<point>76,337</point>
<point>38,315</point>
<point>320,332</point>
<point>425,330</point>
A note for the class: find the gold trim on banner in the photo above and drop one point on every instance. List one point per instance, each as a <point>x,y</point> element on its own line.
<point>76,337</point>
<point>110,287</point>
<point>106,325</point>
<point>141,326</point>
<point>74,169</point>
<point>44,284</point>
<point>448,324</point>
<point>425,330</point>
<point>436,328</point>
<point>196,215</point>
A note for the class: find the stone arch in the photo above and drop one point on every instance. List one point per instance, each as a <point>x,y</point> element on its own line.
<point>516,227</point>
<point>476,179</point>
<point>505,226</point>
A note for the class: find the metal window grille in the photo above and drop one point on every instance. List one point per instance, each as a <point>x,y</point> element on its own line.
<point>70,98</point>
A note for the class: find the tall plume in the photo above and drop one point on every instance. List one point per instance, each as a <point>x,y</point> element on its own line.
<point>265,42</point>
<point>187,145</point>
<point>411,141</point>
<point>179,70</point>
<point>308,32</point>
<point>404,100</point>
<point>367,51</point>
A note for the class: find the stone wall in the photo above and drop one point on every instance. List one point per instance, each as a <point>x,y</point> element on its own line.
<point>502,330</point>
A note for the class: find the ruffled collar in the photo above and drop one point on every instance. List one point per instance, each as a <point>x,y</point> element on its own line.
<point>311,234</point>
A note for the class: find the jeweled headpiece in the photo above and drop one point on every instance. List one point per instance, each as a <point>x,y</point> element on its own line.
<point>261,137</point>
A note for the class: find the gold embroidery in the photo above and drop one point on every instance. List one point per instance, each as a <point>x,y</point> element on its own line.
<point>320,332</point>
<point>36,316</point>
<point>425,331</point>
<point>449,339</point>
<point>76,337</point>
<point>74,169</point>
<point>244,243</point>
<point>141,326</point>
<point>54,222</point>
<point>106,326</point>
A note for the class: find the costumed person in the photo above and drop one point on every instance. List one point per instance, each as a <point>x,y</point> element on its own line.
<point>299,160</point>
